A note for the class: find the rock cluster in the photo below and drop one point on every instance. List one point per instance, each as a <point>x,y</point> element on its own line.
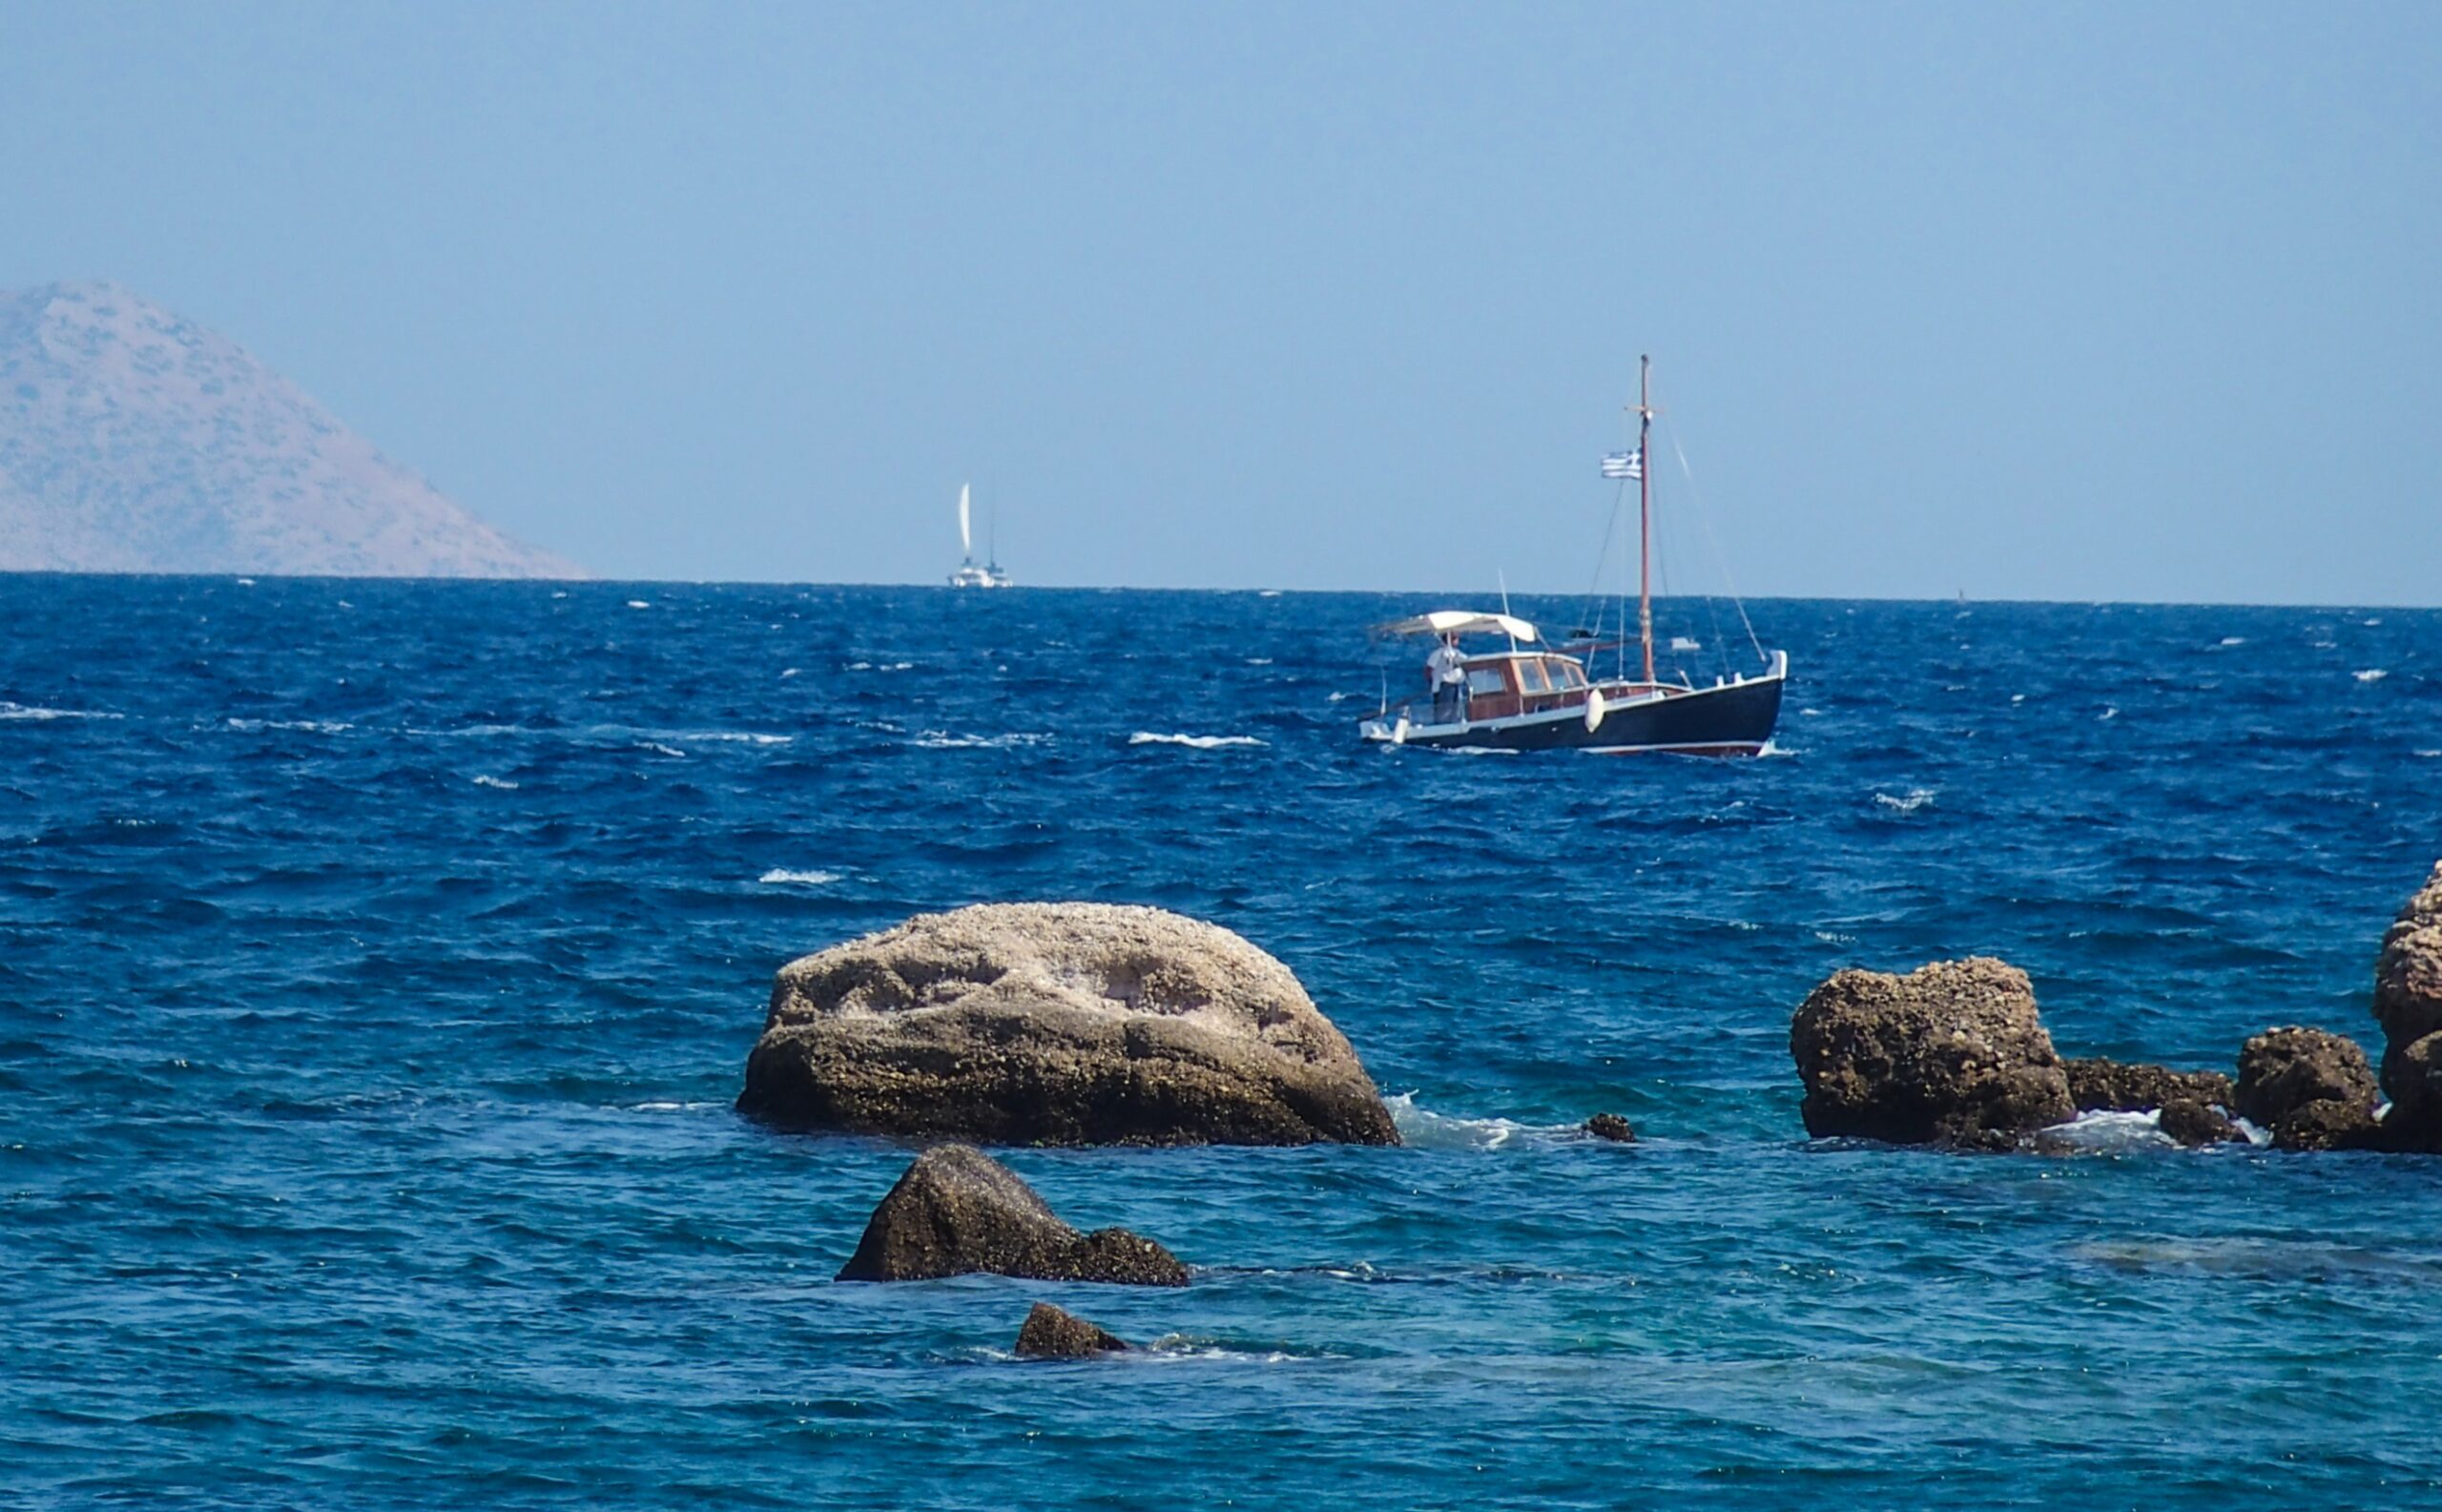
<point>958,1210</point>
<point>1051,1334</point>
<point>2408,1003</point>
<point>1951,1054</point>
<point>1058,1023</point>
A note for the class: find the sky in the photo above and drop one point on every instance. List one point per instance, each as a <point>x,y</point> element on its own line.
<point>2130,302</point>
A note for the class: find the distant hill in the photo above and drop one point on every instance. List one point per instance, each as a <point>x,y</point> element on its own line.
<point>132,441</point>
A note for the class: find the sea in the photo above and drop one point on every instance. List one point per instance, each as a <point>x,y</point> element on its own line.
<point>378,962</point>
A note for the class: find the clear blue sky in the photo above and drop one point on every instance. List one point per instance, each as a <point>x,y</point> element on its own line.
<point>2124,301</point>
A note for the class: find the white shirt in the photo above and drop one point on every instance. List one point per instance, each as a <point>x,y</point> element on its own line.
<point>1446,665</point>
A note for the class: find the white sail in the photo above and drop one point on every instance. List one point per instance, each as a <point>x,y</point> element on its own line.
<point>965,537</point>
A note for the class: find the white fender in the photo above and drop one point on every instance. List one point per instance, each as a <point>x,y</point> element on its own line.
<point>1399,732</point>
<point>1594,710</point>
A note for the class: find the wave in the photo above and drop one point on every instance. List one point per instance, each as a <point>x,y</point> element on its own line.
<point>1201,742</point>
<point>312,725</point>
<point>638,603</point>
<point>1916,798</point>
<point>36,711</point>
<point>482,779</point>
<point>778,877</point>
<point>943,740</point>
<point>2234,640</point>
<point>1424,1128</point>
<point>2370,675</point>
<point>658,749</point>
<point>886,665</point>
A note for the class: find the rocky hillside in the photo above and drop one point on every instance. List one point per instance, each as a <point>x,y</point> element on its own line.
<point>132,441</point>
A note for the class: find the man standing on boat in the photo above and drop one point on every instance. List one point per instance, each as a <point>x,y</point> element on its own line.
<point>1447,670</point>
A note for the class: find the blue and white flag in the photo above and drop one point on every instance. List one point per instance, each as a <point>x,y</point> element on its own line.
<point>1628,464</point>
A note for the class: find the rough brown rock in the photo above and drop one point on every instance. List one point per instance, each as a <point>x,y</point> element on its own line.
<point>2408,1003</point>
<point>2194,1122</point>
<point>2412,1076</point>
<point>2129,1087</point>
<point>2284,1071</point>
<point>2327,1123</point>
<point>1058,1023</point>
<point>1953,1052</point>
<point>958,1210</point>
<point>1051,1334</point>
<point>1611,1126</point>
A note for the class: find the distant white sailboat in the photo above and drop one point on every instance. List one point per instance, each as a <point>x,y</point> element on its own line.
<point>968,574</point>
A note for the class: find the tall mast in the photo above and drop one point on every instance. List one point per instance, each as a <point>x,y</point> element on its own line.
<point>1644,515</point>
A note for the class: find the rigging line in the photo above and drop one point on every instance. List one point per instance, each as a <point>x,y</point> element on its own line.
<point>1704,518</point>
<point>1594,589</point>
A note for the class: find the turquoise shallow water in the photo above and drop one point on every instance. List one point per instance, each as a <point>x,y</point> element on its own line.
<point>378,962</point>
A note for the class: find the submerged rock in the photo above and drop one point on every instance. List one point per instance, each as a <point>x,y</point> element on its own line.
<point>2097,1085</point>
<point>2312,1077</point>
<point>1611,1126</point>
<point>1051,1334</point>
<point>2408,1003</point>
<point>1953,1052</point>
<point>1058,1023</point>
<point>956,1210</point>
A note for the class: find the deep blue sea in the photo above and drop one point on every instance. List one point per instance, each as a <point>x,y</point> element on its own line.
<point>379,961</point>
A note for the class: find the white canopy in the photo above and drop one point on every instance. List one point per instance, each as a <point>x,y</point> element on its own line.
<point>1459,622</point>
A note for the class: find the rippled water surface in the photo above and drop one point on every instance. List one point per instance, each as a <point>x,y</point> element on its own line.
<point>378,963</point>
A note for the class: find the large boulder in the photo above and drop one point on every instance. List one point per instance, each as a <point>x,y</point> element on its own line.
<point>1058,1023</point>
<point>2312,1087</point>
<point>956,1210</point>
<point>1049,1332</point>
<point>2408,1003</point>
<point>1951,1053</point>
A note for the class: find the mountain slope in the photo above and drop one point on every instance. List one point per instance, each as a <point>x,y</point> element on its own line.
<point>132,441</point>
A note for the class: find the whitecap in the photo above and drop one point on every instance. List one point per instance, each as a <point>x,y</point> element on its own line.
<point>2108,1133</point>
<point>1258,661</point>
<point>1916,798</point>
<point>671,1108</point>
<point>1772,748</point>
<point>1267,592</point>
<point>2018,697</point>
<point>1201,742</point>
<point>484,779</point>
<point>638,603</point>
<point>2430,754</point>
<point>36,711</point>
<point>2370,675</point>
<point>658,749</point>
<point>2234,640</point>
<point>1423,1129</point>
<point>1812,714</point>
<point>2110,711</point>
<point>788,671</point>
<point>310,726</point>
<point>245,582</point>
<point>1829,937</point>
<point>943,740</point>
<point>778,877</point>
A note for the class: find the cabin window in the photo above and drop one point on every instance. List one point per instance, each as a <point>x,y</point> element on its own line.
<point>1564,673</point>
<point>1486,681</point>
<point>1530,677</point>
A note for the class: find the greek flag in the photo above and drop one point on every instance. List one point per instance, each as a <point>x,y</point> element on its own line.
<point>1628,464</point>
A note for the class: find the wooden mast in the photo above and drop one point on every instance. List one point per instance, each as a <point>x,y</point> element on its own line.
<point>1645,516</point>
